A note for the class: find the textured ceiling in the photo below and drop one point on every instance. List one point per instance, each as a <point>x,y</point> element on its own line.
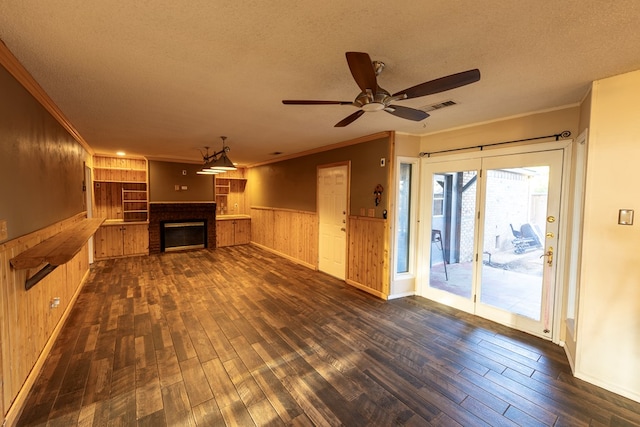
<point>166,78</point>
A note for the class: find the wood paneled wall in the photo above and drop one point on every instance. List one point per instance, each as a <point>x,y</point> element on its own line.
<point>294,235</point>
<point>290,233</point>
<point>368,255</point>
<point>28,324</point>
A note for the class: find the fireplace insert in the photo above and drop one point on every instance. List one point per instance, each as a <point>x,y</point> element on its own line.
<point>183,235</point>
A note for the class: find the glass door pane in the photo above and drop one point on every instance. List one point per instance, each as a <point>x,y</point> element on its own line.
<point>452,232</point>
<point>450,237</point>
<point>514,224</point>
<point>520,213</point>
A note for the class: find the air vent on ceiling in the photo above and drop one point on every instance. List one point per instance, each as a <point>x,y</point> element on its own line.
<point>438,106</point>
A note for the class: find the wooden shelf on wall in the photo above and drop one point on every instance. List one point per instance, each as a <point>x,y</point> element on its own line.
<point>135,204</point>
<point>121,188</point>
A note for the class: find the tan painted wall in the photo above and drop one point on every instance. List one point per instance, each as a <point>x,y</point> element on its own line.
<point>608,330</point>
<point>41,170</point>
<point>407,145</point>
<point>291,184</point>
<point>164,176</point>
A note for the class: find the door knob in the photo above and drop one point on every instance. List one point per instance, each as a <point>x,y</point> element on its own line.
<point>343,229</point>
<point>549,255</point>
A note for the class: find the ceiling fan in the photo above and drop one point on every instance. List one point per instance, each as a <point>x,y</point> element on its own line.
<point>375,98</point>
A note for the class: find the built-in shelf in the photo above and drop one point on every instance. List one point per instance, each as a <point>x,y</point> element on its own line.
<point>135,206</point>
<point>230,193</point>
<point>121,196</point>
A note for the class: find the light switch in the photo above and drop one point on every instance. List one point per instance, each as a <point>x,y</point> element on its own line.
<point>625,217</point>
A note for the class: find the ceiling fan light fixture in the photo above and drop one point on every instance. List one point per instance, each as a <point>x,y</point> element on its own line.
<point>374,98</point>
<point>373,106</point>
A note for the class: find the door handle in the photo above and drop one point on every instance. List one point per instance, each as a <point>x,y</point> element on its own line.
<point>343,229</point>
<point>549,255</point>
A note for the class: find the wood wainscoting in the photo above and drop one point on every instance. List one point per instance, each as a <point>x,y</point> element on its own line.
<point>368,255</point>
<point>29,325</point>
<point>290,233</point>
<point>294,235</point>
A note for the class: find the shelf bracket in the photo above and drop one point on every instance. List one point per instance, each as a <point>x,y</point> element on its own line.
<point>41,274</point>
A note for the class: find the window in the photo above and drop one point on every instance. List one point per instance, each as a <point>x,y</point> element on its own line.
<point>404,217</point>
<point>438,195</point>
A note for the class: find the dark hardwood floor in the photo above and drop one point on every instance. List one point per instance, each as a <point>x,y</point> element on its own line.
<point>239,336</point>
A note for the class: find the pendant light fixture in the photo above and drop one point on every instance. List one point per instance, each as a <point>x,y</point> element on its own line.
<point>217,162</point>
<point>222,162</point>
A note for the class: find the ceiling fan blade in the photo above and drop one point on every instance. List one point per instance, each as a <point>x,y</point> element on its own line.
<point>406,112</point>
<point>362,70</point>
<point>309,102</point>
<point>442,84</point>
<point>349,119</point>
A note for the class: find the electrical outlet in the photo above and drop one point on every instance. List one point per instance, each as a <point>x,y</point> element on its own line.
<point>4,233</point>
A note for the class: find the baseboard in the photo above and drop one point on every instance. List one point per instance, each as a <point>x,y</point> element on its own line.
<point>367,289</point>
<point>401,295</point>
<point>629,394</point>
<point>283,255</point>
<point>18,403</point>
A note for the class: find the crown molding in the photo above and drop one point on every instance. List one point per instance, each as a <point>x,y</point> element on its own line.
<point>379,135</point>
<point>15,68</point>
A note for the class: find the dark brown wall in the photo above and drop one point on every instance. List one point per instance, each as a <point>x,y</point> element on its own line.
<point>164,176</point>
<point>41,165</point>
<point>291,184</point>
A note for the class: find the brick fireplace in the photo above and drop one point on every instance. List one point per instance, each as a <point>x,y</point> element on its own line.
<point>180,211</point>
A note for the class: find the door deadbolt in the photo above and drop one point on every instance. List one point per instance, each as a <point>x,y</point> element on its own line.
<point>551,219</point>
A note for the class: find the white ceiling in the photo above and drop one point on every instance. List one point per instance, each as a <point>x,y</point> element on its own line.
<point>166,78</point>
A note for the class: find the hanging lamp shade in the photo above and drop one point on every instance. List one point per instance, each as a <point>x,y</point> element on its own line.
<point>223,163</point>
<point>217,162</point>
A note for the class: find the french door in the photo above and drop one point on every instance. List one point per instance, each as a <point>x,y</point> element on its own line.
<point>489,247</point>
